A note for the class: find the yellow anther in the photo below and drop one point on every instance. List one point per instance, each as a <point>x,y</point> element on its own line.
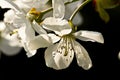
<point>14,32</point>
<point>34,12</point>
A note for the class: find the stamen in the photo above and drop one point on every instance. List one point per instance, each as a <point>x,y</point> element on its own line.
<point>13,32</point>
<point>33,14</point>
<point>34,11</point>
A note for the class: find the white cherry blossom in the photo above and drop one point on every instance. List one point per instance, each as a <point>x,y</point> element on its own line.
<point>25,27</point>
<point>59,55</point>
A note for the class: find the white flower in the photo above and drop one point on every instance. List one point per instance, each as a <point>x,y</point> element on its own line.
<point>60,55</point>
<point>26,29</point>
<point>9,45</point>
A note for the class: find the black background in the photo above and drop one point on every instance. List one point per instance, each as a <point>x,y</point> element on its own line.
<point>104,56</point>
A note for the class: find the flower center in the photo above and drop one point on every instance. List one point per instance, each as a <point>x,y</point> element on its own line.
<point>66,44</point>
<point>33,14</point>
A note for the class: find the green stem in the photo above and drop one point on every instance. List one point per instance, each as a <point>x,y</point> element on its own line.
<point>47,10</point>
<point>79,8</point>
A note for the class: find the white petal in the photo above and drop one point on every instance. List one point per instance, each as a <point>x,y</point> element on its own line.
<point>58,8</point>
<point>64,53</point>
<point>82,56</point>
<point>89,36</point>
<point>9,4</point>
<point>30,52</point>
<point>26,5</point>
<point>7,49</point>
<point>21,33</point>
<point>49,57</point>
<point>2,26</point>
<point>14,20</point>
<point>8,15</point>
<point>26,32</point>
<point>19,20</point>
<point>54,38</point>
<point>5,4</point>
<point>38,28</point>
<point>60,27</point>
<point>40,41</point>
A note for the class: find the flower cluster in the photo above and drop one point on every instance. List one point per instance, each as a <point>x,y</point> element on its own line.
<point>50,24</point>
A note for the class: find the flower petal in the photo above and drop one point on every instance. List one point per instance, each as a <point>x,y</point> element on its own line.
<point>26,5</point>
<point>54,38</point>
<point>38,28</point>
<point>56,58</point>
<point>62,54</point>
<point>26,31</point>
<point>9,20</point>
<point>58,8</point>
<point>9,4</point>
<point>60,27</point>
<point>82,56</point>
<point>49,57</point>
<point>89,36</point>
<point>5,4</point>
<point>2,26</point>
<point>29,30</point>
<point>30,52</point>
<point>40,41</point>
